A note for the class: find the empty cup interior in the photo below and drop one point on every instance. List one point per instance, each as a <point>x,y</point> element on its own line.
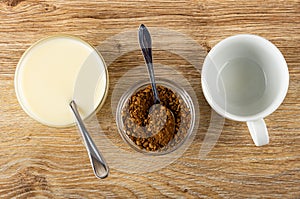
<point>245,75</point>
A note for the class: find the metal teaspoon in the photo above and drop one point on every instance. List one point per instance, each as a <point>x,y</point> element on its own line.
<point>98,163</point>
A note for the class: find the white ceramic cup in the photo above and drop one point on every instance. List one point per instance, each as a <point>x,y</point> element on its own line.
<point>245,78</point>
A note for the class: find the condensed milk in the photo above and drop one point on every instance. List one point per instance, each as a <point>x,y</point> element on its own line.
<point>56,70</point>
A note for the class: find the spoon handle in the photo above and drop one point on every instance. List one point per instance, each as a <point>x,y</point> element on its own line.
<point>146,46</point>
<point>98,163</point>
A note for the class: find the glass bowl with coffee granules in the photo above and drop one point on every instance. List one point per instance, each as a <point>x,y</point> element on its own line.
<point>153,132</point>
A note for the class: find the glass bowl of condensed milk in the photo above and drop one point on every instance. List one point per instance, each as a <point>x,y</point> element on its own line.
<point>56,70</point>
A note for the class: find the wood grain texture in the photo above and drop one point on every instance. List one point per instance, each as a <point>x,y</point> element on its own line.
<point>39,161</point>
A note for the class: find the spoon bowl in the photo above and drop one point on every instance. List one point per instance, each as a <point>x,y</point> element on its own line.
<point>162,122</point>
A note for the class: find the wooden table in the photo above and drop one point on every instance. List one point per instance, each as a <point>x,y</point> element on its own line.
<point>37,160</point>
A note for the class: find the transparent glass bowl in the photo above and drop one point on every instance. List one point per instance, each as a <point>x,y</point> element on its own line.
<point>185,126</point>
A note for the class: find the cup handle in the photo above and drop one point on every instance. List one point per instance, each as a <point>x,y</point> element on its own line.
<point>259,132</point>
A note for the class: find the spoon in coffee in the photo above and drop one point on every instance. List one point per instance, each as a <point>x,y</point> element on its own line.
<point>146,47</point>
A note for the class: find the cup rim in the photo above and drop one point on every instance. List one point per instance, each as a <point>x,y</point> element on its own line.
<point>276,102</point>
<point>165,82</point>
<point>19,66</point>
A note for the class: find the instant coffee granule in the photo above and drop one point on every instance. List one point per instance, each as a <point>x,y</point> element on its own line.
<point>156,129</point>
